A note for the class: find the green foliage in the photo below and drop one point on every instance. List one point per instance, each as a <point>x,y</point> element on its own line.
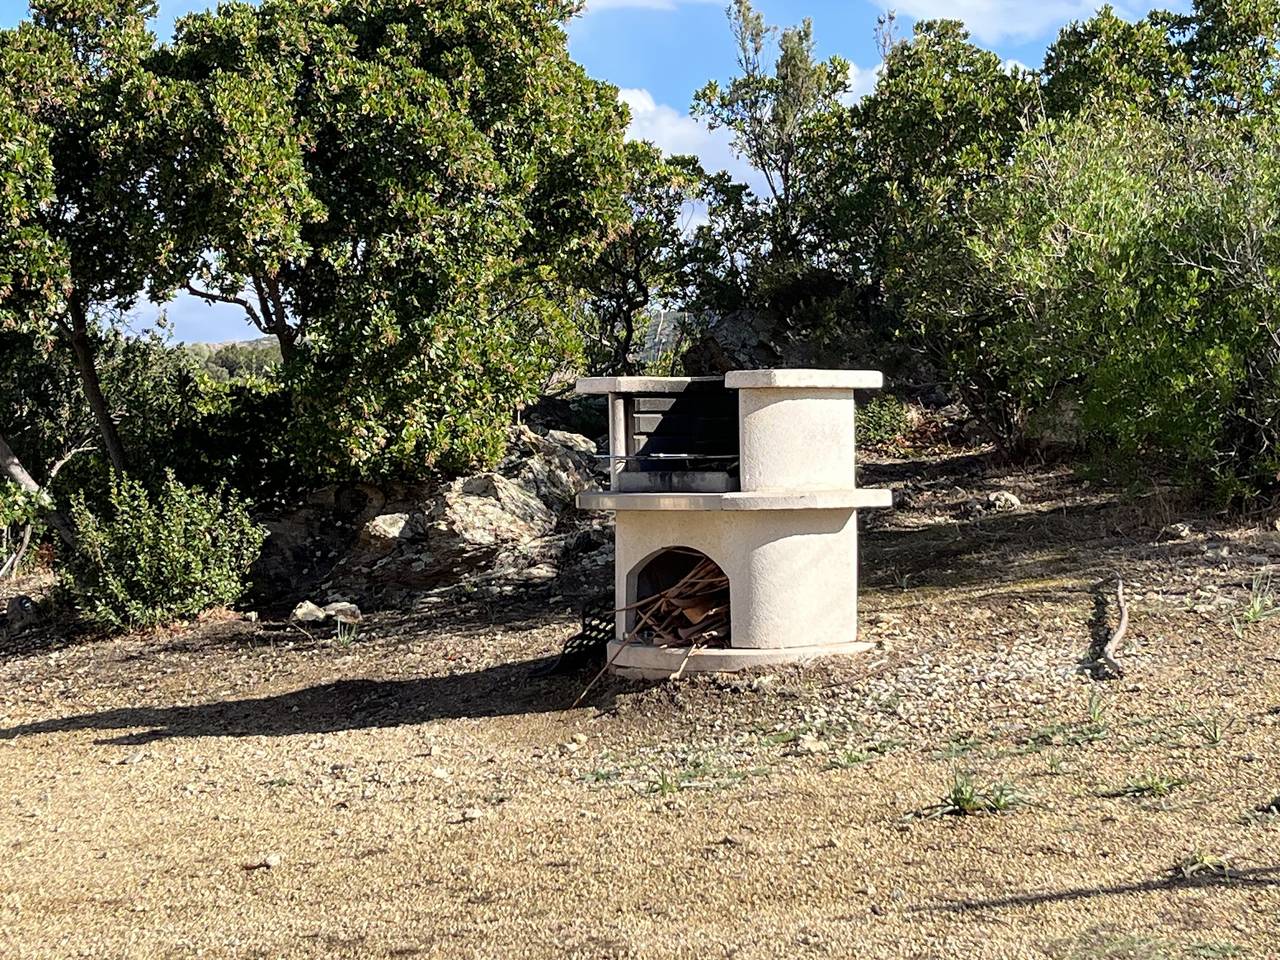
<point>642,261</point>
<point>151,559</point>
<point>400,193</point>
<point>966,797</point>
<point>1134,260</point>
<point>783,257</point>
<point>882,420</point>
<point>255,360</point>
<point>939,130</point>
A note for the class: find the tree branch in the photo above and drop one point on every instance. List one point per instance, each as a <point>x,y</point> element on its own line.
<point>209,296</point>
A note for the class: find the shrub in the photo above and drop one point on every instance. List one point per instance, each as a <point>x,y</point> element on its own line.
<point>883,420</point>
<point>153,559</point>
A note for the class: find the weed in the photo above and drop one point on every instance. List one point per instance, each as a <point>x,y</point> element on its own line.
<point>1097,710</point>
<point>958,747</point>
<point>1148,785</point>
<point>279,782</point>
<point>1262,605</point>
<point>1203,865</point>
<point>347,633</point>
<point>1262,600</point>
<point>966,798</point>
<point>666,784</point>
<point>1220,949</point>
<point>1210,728</point>
<point>856,756</point>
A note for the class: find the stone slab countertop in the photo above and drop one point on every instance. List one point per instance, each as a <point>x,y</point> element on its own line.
<point>851,499</point>
<point>738,380</point>
<point>804,380</point>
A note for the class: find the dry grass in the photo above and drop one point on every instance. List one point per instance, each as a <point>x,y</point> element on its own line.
<point>237,789</point>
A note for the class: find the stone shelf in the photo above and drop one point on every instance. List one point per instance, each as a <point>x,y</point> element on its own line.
<point>852,499</point>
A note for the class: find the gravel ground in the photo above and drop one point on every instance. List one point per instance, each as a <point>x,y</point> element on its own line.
<point>241,789</point>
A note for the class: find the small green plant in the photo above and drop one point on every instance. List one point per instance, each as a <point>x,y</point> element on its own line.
<point>1262,605</point>
<point>966,798</point>
<point>857,756</point>
<point>959,746</point>
<point>147,560</point>
<point>666,784</point>
<point>348,631</point>
<point>1097,709</point>
<point>1211,728</point>
<point>1206,950</point>
<point>883,421</point>
<point>1149,785</point>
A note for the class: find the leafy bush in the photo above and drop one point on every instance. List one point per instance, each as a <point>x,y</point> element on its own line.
<point>883,420</point>
<point>1140,281</point>
<point>151,560</point>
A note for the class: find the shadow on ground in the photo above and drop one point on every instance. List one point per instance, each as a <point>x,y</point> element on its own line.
<point>1256,876</point>
<point>504,690</point>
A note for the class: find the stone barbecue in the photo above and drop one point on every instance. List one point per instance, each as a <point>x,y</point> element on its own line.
<point>737,517</point>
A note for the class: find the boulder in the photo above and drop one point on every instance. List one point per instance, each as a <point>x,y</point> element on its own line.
<point>388,526</point>
<point>308,612</point>
<point>556,467</point>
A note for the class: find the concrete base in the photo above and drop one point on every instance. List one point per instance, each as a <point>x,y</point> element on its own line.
<point>640,661</point>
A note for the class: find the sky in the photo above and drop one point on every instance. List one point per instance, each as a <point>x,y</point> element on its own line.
<point>659,52</point>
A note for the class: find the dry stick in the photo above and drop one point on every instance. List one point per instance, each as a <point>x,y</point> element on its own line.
<point>587,689</point>
<point>680,670</point>
<point>1113,645</point>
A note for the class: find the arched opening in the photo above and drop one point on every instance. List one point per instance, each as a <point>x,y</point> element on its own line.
<point>678,597</point>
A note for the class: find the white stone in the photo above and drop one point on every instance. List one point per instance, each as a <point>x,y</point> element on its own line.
<point>389,526</point>
<point>308,612</point>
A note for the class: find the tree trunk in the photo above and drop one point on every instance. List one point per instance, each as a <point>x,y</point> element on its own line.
<point>83,350</point>
<point>13,467</point>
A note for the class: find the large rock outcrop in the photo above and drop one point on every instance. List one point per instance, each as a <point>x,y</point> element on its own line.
<point>500,530</point>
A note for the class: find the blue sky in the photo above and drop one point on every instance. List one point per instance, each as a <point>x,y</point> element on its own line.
<point>659,52</point>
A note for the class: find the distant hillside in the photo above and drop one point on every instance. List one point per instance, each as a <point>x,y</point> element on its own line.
<point>237,359</point>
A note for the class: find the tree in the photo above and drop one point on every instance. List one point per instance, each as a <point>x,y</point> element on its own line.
<point>1139,263</point>
<point>398,192</point>
<point>937,133</point>
<point>1107,61</point>
<point>772,269</point>
<point>642,260</point>
<point>88,238</point>
<point>769,115</point>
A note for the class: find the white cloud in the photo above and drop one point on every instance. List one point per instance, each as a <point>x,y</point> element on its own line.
<point>677,132</point>
<point>994,20</point>
<point>862,81</point>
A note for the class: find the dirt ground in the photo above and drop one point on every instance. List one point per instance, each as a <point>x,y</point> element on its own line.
<point>241,789</point>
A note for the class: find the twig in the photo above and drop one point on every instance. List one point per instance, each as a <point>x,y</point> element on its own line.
<point>587,689</point>
<point>680,670</point>
<point>1112,646</point>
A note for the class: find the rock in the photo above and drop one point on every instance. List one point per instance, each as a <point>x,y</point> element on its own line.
<point>1178,531</point>
<point>573,441</point>
<point>555,470</point>
<point>489,509</point>
<point>388,526</point>
<point>308,612</point>
<point>472,813</point>
<point>343,612</point>
<point>1003,500</point>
